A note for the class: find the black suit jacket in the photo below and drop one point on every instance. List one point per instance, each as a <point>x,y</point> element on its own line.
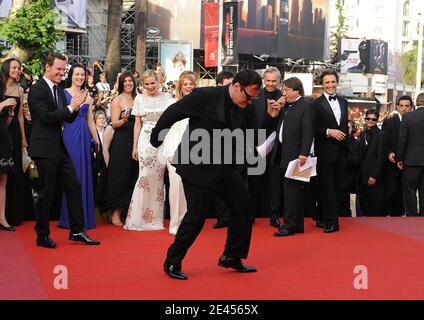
<point>47,119</point>
<point>371,163</point>
<point>391,129</point>
<point>206,109</point>
<point>411,141</point>
<point>298,133</point>
<point>327,149</point>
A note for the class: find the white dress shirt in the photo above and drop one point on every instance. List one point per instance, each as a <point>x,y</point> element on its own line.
<point>335,106</point>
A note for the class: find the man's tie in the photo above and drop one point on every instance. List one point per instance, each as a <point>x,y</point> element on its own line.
<point>332,98</point>
<point>55,94</point>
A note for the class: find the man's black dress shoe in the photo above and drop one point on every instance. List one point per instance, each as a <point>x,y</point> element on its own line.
<point>275,222</point>
<point>234,263</point>
<point>220,224</point>
<point>300,230</point>
<point>46,242</point>
<point>174,272</point>
<point>320,223</point>
<point>2,227</point>
<point>331,228</point>
<point>283,232</point>
<point>84,238</point>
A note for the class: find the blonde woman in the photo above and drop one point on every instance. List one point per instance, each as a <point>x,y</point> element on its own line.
<point>147,202</point>
<point>177,201</point>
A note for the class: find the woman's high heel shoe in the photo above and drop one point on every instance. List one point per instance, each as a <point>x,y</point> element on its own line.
<point>116,221</point>
<point>2,227</point>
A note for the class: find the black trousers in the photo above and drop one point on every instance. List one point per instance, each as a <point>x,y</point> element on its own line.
<point>51,172</point>
<point>371,199</point>
<point>413,181</point>
<point>393,204</point>
<point>276,191</point>
<point>229,186</point>
<point>294,204</point>
<point>330,176</point>
<point>312,205</point>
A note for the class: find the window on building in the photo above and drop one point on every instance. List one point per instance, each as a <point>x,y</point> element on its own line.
<point>404,46</point>
<point>406,9</point>
<point>405,29</point>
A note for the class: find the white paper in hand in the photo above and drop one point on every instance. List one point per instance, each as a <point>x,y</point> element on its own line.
<point>267,146</point>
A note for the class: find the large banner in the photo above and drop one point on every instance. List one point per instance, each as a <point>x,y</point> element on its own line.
<point>74,13</point>
<point>379,57</point>
<point>4,8</point>
<point>211,17</point>
<point>175,57</point>
<point>354,55</point>
<point>229,41</point>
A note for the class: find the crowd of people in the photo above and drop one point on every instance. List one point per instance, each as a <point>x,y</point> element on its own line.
<point>100,144</point>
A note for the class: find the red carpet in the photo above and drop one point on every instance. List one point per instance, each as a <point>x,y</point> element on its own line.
<point>313,265</point>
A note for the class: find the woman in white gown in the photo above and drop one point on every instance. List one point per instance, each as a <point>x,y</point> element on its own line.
<point>146,208</point>
<point>177,200</point>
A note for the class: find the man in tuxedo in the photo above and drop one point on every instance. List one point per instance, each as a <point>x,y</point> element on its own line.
<point>295,133</point>
<point>331,117</point>
<point>410,157</point>
<point>393,205</point>
<point>266,189</point>
<point>47,104</point>
<point>211,110</point>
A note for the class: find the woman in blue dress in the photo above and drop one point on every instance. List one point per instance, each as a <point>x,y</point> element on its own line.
<point>78,136</point>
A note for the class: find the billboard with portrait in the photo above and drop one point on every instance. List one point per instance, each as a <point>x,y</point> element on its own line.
<point>354,55</point>
<point>378,57</point>
<point>175,57</point>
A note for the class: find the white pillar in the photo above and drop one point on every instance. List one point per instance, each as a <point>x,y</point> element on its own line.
<point>420,55</point>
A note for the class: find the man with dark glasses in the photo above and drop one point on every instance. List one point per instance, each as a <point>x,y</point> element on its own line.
<point>372,156</point>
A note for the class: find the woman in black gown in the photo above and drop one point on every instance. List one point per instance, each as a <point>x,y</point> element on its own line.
<point>19,197</point>
<point>6,160</point>
<point>122,170</point>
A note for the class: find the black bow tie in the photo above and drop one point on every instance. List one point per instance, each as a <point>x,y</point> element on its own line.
<point>332,98</point>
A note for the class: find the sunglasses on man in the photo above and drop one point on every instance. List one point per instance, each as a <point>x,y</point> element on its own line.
<point>371,119</point>
<point>249,97</point>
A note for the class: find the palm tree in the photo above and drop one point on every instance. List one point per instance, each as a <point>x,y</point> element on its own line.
<point>113,39</point>
<point>409,62</point>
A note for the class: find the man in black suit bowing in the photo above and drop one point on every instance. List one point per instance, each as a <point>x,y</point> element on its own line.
<point>295,133</point>
<point>331,117</point>
<point>393,204</point>
<point>212,110</point>
<point>410,158</point>
<point>47,104</point>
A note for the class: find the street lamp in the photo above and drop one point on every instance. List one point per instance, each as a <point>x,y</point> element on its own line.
<point>420,54</point>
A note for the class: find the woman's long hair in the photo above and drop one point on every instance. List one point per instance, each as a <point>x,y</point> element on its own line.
<point>4,75</point>
<point>185,75</point>
<point>70,74</point>
<point>121,82</point>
